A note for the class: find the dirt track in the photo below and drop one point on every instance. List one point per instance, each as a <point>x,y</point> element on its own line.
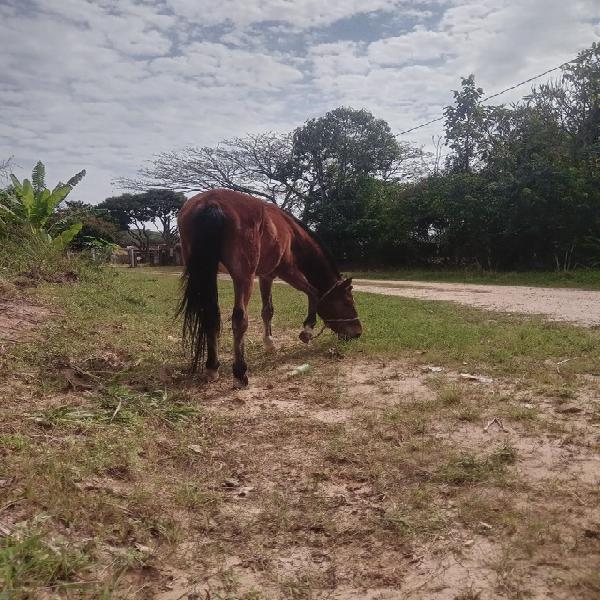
<point>557,304</point>
<point>581,307</point>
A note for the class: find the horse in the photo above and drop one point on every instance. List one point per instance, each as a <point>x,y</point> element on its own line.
<point>252,238</point>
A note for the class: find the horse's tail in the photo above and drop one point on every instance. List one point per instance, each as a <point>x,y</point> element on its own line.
<point>200,301</point>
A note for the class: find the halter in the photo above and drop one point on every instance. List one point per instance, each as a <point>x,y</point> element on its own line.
<point>327,321</point>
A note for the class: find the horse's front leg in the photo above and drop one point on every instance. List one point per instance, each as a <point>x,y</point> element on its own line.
<point>296,279</point>
<point>306,335</point>
<point>239,321</point>
<point>266,287</point>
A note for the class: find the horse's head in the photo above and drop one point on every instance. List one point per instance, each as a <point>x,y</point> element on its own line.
<point>338,312</point>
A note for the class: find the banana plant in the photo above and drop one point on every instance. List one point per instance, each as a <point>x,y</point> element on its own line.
<point>32,205</point>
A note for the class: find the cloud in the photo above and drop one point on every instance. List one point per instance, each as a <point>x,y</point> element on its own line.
<point>301,13</point>
<point>417,46</point>
<point>105,84</point>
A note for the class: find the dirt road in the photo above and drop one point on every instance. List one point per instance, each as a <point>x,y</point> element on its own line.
<point>581,307</point>
<point>557,304</point>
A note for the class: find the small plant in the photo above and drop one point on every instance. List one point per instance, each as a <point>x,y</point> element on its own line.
<point>450,395</point>
<point>30,562</point>
<point>31,204</point>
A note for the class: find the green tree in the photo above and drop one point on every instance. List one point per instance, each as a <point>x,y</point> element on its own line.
<point>337,155</point>
<point>163,206</point>
<point>97,226</point>
<point>131,213</point>
<point>465,126</point>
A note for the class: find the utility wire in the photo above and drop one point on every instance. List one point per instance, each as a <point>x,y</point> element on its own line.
<point>508,89</point>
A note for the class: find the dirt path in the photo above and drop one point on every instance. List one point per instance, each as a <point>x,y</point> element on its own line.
<point>557,304</point>
<point>581,307</point>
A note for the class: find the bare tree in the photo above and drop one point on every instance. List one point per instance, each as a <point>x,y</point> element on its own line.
<point>256,164</point>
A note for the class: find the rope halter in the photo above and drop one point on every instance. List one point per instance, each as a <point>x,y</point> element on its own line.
<point>337,284</point>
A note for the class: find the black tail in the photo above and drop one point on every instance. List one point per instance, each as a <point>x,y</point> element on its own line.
<point>200,302</point>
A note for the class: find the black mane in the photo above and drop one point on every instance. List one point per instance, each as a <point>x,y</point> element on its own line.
<point>323,247</point>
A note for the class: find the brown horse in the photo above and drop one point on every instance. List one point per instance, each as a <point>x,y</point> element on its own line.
<point>250,237</point>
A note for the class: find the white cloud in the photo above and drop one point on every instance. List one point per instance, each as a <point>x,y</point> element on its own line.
<point>105,84</point>
<point>417,46</point>
<point>301,13</point>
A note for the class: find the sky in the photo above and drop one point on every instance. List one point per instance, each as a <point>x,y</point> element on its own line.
<point>106,84</point>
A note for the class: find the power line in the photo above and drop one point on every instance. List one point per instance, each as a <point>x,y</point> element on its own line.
<point>508,89</point>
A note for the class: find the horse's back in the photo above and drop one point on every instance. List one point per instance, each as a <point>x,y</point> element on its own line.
<point>257,233</point>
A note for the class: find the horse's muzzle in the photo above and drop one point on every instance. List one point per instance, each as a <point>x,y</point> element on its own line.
<point>350,332</point>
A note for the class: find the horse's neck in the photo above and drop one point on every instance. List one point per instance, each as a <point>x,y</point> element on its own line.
<point>321,275</point>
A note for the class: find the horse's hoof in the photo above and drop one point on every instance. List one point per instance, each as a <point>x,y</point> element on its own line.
<point>240,384</point>
<point>269,345</point>
<point>305,336</point>
<point>210,375</point>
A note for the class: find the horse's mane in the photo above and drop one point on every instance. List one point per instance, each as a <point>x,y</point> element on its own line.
<point>317,240</point>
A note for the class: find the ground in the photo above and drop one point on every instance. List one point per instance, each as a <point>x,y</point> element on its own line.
<point>450,453</point>
<point>571,305</point>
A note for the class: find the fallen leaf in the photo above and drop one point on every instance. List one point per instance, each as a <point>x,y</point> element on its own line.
<point>164,375</point>
<point>74,380</point>
<point>142,548</point>
<point>568,410</point>
<point>196,448</point>
<point>478,378</point>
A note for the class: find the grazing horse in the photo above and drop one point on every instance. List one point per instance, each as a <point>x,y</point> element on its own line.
<point>250,237</point>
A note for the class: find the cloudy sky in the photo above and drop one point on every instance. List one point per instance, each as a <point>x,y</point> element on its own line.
<point>105,84</point>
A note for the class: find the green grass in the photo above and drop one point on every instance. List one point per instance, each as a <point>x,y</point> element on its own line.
<point>578,278</point>
<point>450,335</point>
<point>138,324</point>
<point>31,561</point>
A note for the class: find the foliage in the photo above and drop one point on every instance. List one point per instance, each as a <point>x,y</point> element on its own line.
<point>23,253</point>
<point>293,170</point>
<point>32,204</point>
<point>164,205</point>
<point>132,213</point>
<point>97,229</point>
<point>520,188</point>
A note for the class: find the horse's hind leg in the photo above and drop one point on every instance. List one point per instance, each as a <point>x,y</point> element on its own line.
<point>211,372</point>
<point>239,321</point>
<point>266,286</point>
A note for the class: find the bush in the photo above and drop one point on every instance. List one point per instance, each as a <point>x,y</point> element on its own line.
<point>23,253</point>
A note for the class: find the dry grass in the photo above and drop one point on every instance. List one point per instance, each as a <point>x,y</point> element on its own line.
<point>368,477</point>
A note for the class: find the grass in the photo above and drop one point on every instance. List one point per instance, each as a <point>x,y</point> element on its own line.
<point>32,562</point>
<point>577,278</point>
<point>142,478</point>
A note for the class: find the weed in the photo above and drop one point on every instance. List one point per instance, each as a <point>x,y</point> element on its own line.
<point>31,561</point>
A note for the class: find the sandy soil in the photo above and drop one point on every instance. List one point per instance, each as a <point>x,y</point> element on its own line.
<point>17,318</point>
<point>581,307</point>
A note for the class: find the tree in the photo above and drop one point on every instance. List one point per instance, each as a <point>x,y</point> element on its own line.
<point>97,226</point>
<point>274,166</point>
<point>131,213</point>
<point>163,206</point>
<point>253,164</point>
<point>336,156</point>
<point>465,126</point>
